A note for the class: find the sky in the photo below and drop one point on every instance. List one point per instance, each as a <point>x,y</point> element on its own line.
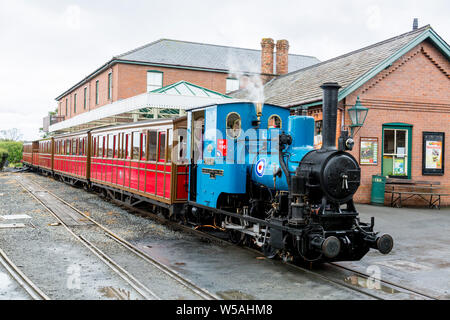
<point>46,46</point>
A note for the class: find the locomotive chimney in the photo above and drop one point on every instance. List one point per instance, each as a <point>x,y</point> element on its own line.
<point>329,110</point>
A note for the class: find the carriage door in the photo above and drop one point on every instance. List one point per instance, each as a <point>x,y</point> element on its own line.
<point>197,131</point>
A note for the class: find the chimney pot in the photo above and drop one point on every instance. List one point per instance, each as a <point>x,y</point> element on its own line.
<point>267,45</point>
<point>415,24</point>
<point>282,56</point>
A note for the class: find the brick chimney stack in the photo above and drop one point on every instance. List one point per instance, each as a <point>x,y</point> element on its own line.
<point>267,46</point>
<point>282,56</point>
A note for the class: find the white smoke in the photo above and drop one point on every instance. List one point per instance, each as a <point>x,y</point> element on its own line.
<point>248,74</point>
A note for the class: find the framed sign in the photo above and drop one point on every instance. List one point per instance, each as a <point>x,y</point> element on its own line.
<point>433,148</point>
<point>368,151</point>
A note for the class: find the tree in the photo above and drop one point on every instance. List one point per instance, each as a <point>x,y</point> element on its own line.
<point>11,134</point>
<point>14,150</point>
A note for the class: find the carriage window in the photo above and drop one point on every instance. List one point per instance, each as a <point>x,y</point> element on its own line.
<point>81,147</point>
<point>152,145</point>
<point>116,146</point>
<point>101,147</point>
<point>110,146</point>
<point>74,146</point>
<point>128,146</point>
<point>94,148</point>
<point>120,137</point>
<point>143,146</point>
<point>181,147</point>
<point>169,146</point>
<point>162,146</point>
<point>274,122</point>
<point>136,145</point>
<point>233,125</point>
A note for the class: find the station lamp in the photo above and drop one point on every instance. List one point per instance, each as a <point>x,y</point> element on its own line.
<point>358,115</point>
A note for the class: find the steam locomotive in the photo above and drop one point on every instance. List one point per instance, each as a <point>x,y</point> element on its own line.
<point>288,198</point>
<point>249,170</point>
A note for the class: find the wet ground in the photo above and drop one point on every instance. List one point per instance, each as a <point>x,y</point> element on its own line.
<point>420,258</point>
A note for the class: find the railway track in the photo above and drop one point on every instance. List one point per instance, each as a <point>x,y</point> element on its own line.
<point>371,293</point>
<point>386,285</point>
<point>32,290</point>
<point>137,285</point>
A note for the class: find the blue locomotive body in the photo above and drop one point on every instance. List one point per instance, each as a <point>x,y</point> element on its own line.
<point>230,155</point>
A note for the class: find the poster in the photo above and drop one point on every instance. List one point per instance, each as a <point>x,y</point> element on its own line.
<point>433,153</point>
<point>368,151</point>
<point>399,166</point>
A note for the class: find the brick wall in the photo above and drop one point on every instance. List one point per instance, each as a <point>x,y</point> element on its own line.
<point>414,90</point>
<point>130,80</point>
<point>90,94</point>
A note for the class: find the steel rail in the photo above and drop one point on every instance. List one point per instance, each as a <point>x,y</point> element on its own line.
<point>203,293</point>
<point>390,283</point>
<point>34,292</point>
<point>134,283</point>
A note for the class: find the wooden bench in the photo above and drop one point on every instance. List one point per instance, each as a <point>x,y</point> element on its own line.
<point>404,189</point>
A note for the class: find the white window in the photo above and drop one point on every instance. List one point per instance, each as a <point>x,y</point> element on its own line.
<point>154,80</point>
<point>232,84</point>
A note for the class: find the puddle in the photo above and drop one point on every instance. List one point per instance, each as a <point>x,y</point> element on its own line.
<point>369,283</point>
<point>235,295</point>
<point>115,293</point>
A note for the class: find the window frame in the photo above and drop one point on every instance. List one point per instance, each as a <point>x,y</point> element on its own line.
<point>96,92</point>
<point>160,133</point>
<point>162,80</point>
<point>85,98</point>
<point>110,86</point>
<point>268,121</point>
<point>408,145</point>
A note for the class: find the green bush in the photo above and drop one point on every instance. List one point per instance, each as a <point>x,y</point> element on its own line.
<point>14,150</point>
<point>3,157</point>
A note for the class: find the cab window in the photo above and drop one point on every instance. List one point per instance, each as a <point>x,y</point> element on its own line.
<point>274,122</point>
<point>233,125</point>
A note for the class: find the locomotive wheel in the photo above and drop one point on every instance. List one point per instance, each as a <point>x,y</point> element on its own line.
<point>236,237</point>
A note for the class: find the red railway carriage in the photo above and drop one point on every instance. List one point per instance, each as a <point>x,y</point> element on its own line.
<point>137,158</point>
<point>27,154</point>
<point>45,154</point>
<point>70,156</point>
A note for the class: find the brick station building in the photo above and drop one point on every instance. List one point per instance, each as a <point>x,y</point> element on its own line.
<point>405,83</point>
<point>163,62</point>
